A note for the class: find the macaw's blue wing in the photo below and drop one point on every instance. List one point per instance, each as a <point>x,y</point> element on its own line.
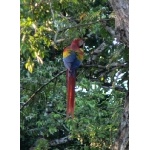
<point>71,63</point>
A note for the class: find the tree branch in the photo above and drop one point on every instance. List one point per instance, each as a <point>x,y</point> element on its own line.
<point>55,142</point>
<point>80,25</point>
<point>60,141</point>
<point>111,86</point>
<point>97,51</point>
<point>40,88</point>
<point>108,29</point>
<point>112,65</point>
<point>76,26</point>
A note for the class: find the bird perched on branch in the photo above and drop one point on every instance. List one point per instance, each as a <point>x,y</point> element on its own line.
<point>72,58</point>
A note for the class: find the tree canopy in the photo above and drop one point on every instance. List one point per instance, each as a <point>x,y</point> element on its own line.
<point>46,28</point>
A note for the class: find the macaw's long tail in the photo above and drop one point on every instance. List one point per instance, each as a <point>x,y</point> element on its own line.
<point>70,94</point>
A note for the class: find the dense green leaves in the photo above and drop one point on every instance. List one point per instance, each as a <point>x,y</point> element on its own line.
<point>102,81</point>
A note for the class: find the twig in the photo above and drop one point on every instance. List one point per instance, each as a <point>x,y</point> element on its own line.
<point>39,89</point>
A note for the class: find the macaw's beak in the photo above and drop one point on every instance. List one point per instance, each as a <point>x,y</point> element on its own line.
<point>83,44</point>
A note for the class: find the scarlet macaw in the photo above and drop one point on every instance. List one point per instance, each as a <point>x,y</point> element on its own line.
<point>72,58</point>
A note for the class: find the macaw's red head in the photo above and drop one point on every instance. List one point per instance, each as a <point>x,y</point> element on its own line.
<point>76,43</point>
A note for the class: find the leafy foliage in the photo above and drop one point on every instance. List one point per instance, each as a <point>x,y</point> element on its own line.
<point>102,81</point>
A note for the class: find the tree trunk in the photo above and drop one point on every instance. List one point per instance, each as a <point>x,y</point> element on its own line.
<point>121,10</point>
<point>122,141</point>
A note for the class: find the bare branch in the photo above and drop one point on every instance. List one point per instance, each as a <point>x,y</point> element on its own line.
<point>60,141</point>
<point>110,30</point>
<point>86,24</point>
<point>111,86</point>
<point>40,88</point>
<point>107,28</point>
<point>107,66</point>
<point>98,50</point>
